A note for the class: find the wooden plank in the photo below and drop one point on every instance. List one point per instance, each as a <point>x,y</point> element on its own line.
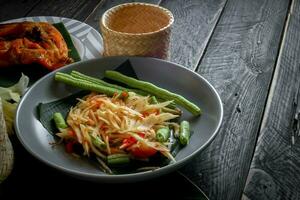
<point>15,9</point>
<point>93,19</point>
<point>239,62</point>
<point>77,9</point>
<point>275,168</point>
<point>194,23</point>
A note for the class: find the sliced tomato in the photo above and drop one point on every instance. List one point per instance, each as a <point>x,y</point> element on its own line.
<point>128,142</point>
<point>131,140</point>
<point>70,146</point>
<point>140,150</point>
<point>141,134</point>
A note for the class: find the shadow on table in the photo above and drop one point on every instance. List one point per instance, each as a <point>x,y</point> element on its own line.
<point>11,75</point>
<point>31,178</point>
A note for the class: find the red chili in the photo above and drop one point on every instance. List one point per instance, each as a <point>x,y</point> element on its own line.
<point>103,127</point>
<point>157,112</point>
<point>124,94</point>
<point>149,112</point>
<point>115,94</point>
<point>145,114</point>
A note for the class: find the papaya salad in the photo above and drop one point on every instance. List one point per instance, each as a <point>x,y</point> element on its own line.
<point>119,125</point>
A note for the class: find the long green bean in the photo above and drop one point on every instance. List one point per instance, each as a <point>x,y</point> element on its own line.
<point>155,90</point>
<point>118,159</point>
<point>94,80</point>
<point>68,79</point>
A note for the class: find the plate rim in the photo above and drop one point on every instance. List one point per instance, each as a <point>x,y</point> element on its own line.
<point>118,177</point>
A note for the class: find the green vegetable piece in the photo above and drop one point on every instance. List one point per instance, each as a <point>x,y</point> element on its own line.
<point>73,53</point>
<point>68,79</point>
<point>98,142</point>
<point>94,80</point>
<point>163,134</point>
<point>10,98</point>
<point>153,89</point>
<point>153,100</point>
<point>59,121</point>
<point>14,92</point>
<point>118,159</point>
<point>184,132</point>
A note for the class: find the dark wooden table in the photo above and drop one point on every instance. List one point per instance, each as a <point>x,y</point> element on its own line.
<point>250,51</point>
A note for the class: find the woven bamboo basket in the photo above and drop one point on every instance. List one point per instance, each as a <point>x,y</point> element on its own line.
<point>137,29</point>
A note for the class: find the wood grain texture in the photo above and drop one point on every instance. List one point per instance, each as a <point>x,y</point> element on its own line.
<point>194,23</point>
<point>275,169</point>
<point>76,9</point>
<point>93,19</point>
<point>239,62</point>
<point>16,9</point>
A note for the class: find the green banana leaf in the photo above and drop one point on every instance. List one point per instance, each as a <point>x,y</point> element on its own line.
<point>73,53</point>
